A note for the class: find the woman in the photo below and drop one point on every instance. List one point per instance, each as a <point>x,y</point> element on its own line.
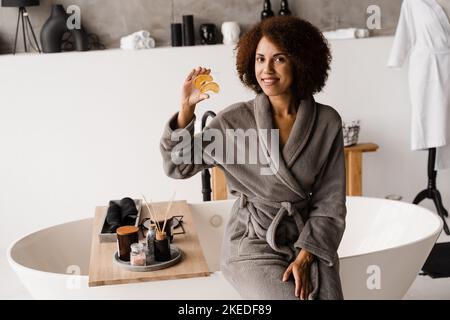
<point>282,238</point>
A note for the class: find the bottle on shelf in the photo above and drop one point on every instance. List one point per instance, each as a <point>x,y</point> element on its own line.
<point>284,8</point>
<point>267,10</point>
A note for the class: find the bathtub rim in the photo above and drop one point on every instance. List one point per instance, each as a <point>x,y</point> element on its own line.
<point>422,239</point>
<point>435,233</point>
<point>12,262</point>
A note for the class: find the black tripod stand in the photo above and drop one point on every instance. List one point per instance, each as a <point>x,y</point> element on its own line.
<point>23,16</point>
<point>431,192</point>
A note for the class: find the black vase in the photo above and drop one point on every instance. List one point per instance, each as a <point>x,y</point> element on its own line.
<point>176,34</point>
<point>284,8</point>
<point>267,10</point>
<point>188,30</point>
<point>54,28</point>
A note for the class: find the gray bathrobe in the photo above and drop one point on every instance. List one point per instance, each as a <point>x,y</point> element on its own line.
<point>301,205</point>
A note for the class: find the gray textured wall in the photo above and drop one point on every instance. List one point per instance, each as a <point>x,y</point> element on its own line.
<point>112,19</point>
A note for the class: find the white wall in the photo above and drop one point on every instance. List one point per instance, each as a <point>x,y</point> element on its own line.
<point>361,87</point>
<point>78,129</point>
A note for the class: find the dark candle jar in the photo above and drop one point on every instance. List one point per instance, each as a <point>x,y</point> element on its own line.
<point>126,236</point>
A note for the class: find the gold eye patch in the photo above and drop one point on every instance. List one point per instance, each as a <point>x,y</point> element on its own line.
<point>204,83</point>
<point>210,86</point>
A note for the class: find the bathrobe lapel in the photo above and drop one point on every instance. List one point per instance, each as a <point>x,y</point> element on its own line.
<point>301,206</point>
<point>297,140</point>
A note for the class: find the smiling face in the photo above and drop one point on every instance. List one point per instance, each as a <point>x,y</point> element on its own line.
<point>273,69</point>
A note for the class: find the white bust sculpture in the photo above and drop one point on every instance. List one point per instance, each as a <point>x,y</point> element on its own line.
<point>230,32</point>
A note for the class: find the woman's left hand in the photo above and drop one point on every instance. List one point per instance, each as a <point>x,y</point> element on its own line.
<point>300,268</point>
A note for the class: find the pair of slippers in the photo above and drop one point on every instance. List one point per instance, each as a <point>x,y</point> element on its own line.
<point>121,213</point>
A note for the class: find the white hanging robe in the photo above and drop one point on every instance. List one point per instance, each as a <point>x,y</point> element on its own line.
<point>423,31</point>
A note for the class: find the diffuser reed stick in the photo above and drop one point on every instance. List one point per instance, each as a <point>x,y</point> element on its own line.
<point>152,216</point>
<point>168,209</point>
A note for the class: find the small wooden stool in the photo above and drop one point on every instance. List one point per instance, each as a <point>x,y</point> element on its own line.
<point>353,171</point>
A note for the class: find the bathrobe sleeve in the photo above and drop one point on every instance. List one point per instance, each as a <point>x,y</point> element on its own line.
<point>404,38</point>
<point>182,150</point>
<point>325,226</point>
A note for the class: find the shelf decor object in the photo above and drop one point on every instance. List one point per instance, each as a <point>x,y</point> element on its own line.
<point>188,30</point>
<point>230,32</point>
<point>284,8</point>
<point>267,10</point>
<point>208,33</point>
<point>24,19</point>
<point>54,29</point>
<point>176,34</point>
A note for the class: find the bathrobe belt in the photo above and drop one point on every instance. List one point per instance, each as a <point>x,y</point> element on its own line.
<point>284,208</point>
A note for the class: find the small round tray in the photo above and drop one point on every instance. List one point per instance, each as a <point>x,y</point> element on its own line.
<point>175,254</point>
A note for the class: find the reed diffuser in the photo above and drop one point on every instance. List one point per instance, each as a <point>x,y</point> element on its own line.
<point>162,247</point>
<point>161,242</point>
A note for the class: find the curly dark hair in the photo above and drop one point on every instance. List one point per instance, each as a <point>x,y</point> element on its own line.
<point>300,40</point>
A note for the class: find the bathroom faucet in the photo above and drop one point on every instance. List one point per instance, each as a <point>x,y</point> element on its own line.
<point>206,176</point>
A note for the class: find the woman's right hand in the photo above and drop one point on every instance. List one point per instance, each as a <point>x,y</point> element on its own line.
<point>190,96</point>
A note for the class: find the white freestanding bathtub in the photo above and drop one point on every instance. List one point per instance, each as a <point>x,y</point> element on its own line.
<point>384,247</point>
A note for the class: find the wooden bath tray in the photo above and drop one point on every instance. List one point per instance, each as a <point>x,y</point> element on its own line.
<point>102,270</point>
